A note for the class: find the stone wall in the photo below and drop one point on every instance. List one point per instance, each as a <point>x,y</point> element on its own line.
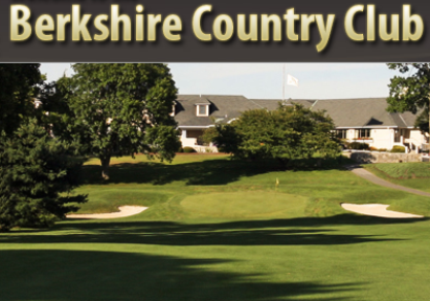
<point>377,157</point>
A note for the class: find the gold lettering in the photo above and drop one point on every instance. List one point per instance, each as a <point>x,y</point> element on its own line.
<point>265,26</point>
<point>349,23</point>
<point>16,23</point>
<point>229,27</point>
<point>44,23</point>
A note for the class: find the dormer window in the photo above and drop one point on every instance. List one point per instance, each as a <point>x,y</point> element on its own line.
<point>202,110</point>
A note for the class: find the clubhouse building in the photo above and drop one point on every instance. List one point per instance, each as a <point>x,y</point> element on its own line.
<point>365,120</point>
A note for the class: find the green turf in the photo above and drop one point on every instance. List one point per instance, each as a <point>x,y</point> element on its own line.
<point>223,230</point>
<point>414,175</point>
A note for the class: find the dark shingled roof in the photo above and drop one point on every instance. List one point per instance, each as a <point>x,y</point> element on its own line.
<point>307,103</point>
<point>269,104</point>
<point>272,104</point>
<point>223,108</point>
<point>362,112</point>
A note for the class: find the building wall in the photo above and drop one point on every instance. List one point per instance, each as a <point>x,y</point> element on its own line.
<point>418,136</point>
<point>189,137</point>
<point>382,138</point>
<point>379,138</point>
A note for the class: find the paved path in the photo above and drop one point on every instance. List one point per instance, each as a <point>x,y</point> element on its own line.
<point>361,172</point>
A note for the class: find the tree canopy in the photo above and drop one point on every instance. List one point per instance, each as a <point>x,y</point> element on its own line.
<point>17,94</point>
<point>288,133</point>
<point>37,177</point>
<point>411,91</point>
<point>116,109</point>
<point>37,171</point>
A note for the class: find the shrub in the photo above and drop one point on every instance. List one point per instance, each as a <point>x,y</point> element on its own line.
<point>345,145</point>
<point>382,149</point>
<point>286,134</point>
<point>372,148</point>
<point>398,149</point>
<point>359,146</point>
<point>210,135</point>
<point>189,150</point>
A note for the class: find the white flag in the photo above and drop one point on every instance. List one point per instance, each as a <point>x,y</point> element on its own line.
<point>292,81</point>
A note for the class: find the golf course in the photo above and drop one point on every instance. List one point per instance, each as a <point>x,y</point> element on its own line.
<point>413,175</point>
<point>221,229</point>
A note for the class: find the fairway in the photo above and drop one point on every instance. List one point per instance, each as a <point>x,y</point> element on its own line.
<point>245,204</point>
<point>226,230</point>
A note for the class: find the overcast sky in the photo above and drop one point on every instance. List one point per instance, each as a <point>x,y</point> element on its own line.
<point>263,80</point>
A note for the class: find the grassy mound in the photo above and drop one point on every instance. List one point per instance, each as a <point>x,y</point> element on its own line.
<point>405,170</point>
<point>413,175</point>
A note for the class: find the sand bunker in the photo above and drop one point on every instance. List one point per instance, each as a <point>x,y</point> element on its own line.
<point>124,211</point>
<point>378,210</point>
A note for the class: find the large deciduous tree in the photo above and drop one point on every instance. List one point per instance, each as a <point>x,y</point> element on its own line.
<point>288,133</point>
<point>118,109</point>
<point>411,91</point>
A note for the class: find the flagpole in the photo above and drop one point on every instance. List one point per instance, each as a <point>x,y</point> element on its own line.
<point>283,82</point>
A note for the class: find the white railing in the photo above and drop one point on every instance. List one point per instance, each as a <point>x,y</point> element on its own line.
<point>417,144</point>
<point>205,149</point>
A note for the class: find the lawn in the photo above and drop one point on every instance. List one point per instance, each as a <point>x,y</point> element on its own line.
<point>223,230</point>
<point>414,175</point>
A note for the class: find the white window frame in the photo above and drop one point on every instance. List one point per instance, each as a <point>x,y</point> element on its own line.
<point>345,131</point>
<point>198,110</point>
<point>358,134</point>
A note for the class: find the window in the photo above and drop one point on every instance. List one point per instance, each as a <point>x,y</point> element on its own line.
<point>202,110</point>
<point>363,133</point>
<point>341,134</point>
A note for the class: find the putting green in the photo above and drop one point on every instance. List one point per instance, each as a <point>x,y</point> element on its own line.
<point>245,204</point>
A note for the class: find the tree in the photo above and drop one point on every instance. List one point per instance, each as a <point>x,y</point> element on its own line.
<point>286,134</point>
<point>17,92</point>
<point>37,172</point>
<point>209,135</point>
<point>411,92</point>
<point>117,110</point>
<point>37,176</point>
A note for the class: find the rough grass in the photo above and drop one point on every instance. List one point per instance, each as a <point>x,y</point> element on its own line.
<point>222,230</point>
<point>414,175</point>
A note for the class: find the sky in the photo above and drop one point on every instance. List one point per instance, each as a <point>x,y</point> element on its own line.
<point>265,80</point>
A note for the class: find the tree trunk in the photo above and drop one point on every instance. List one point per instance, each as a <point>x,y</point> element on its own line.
<point>105,167</point>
